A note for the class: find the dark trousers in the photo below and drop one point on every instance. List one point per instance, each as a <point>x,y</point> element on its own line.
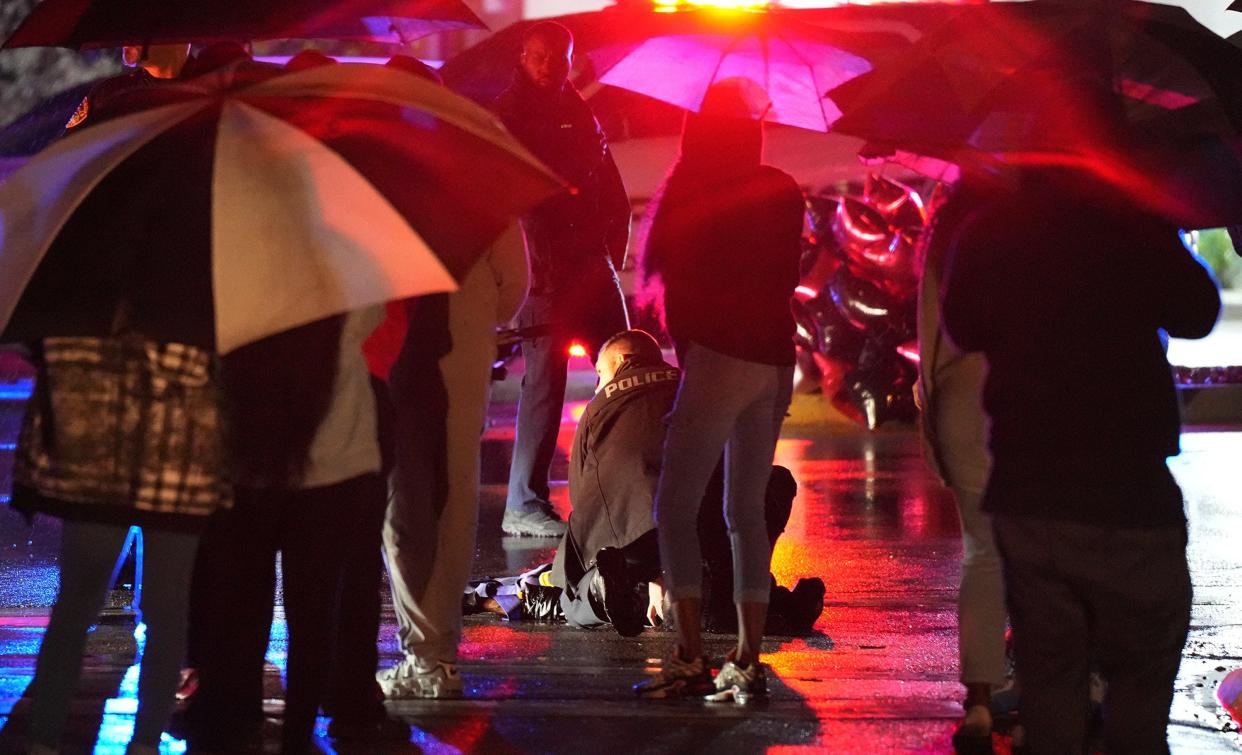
<point>583,609</point>
<point>353,693</point>
<point>1079,592</point>
<point>546,360</point>
<point>310,529</point>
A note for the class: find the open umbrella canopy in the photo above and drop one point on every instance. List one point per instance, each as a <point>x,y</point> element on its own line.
<point>1049,74</point>
<point>82,24</point>
<point>676,56</point>
<point>245,202</point>
<point>1138,94</point>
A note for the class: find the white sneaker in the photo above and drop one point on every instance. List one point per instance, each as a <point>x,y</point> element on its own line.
<point>739,685</point>
<point>414,678</point>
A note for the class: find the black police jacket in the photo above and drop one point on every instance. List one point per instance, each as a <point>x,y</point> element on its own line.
<point>614,465</point>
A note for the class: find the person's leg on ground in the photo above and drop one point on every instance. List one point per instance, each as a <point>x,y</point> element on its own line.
<point>168,564</point>
<point>419,495</point>
<point>237,567</point>
<point>354,699</point>
<point>88,557</point>
<point>527,511</point>
<point>1051,632</point>
<point>748,466</point>
<point>699,425</point>
<point>748,459</point>
<point>980,613</point>
<point>198,612</point>
<point>1140,598</point>
<point>427,591</point>
<point>318,521</point>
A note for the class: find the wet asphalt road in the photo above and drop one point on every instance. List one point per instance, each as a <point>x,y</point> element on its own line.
<point>878,677</point>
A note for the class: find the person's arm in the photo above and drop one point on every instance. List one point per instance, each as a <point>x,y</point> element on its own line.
<point>614,206</point>
<point>511,268</point>
<point>968,289</point>
<point>1189,296</point>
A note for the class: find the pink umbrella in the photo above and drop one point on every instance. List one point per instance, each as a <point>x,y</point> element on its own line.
<point>779,60</point>
<point>676,56</point>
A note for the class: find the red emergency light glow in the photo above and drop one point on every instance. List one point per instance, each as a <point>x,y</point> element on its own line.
<point>577,350</point>
<point>672,6</point>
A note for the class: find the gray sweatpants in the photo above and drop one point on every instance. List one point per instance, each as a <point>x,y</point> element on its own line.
<point>88,560</point>
<point>981,599</point>
<point>429,539</point>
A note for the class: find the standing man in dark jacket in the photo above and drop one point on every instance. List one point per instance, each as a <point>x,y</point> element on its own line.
<point>576,242</point>
<point>1064,288</point>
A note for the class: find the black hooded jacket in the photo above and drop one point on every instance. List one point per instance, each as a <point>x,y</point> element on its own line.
<point>614,465</point>
<point>577,236</point>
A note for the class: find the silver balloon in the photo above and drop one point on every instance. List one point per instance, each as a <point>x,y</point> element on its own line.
<point>859,229</point>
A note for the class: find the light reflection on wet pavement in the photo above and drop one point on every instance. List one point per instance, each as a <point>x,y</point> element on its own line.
<point>879,675</point>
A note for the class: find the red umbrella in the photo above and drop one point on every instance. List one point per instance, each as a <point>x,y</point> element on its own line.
<point>83,24</point>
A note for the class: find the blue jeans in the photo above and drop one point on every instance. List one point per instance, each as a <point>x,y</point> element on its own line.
<point>730,405</point>
<point>541,402</point>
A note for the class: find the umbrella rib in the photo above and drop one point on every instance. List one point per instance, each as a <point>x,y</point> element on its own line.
<point>716,70</point>
<point>819,98</point>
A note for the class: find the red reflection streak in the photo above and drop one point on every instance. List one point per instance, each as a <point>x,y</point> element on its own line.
<point>23,621</point>
<point>466,734</point>
<point>493,641</point>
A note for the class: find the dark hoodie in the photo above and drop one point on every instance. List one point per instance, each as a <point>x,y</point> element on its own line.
<point>615,464</point>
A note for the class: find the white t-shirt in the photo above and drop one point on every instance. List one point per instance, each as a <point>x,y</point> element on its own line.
<point>347,442</point>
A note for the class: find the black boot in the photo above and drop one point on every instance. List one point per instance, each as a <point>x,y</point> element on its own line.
<point>613,588</point>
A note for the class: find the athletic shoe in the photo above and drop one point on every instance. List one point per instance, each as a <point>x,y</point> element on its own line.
<point>739,685</point>
<point>413,678</point>
<point>614,589</point>
<point>677,679</point>
<point>534,519</point>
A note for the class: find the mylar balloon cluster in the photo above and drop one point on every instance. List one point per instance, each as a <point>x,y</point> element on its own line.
<point>856,306</point>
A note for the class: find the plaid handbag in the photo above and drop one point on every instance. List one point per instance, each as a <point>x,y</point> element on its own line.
<point>125,422</point>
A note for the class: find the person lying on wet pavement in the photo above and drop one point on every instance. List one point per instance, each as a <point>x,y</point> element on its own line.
<point>607,567</point>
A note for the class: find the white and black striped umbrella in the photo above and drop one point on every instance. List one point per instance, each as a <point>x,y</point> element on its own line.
<point>222,209</point>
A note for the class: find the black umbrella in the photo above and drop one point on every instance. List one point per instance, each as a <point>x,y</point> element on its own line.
<point>82,24</point>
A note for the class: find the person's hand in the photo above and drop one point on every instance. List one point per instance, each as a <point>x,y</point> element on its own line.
<point>655,603</point>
